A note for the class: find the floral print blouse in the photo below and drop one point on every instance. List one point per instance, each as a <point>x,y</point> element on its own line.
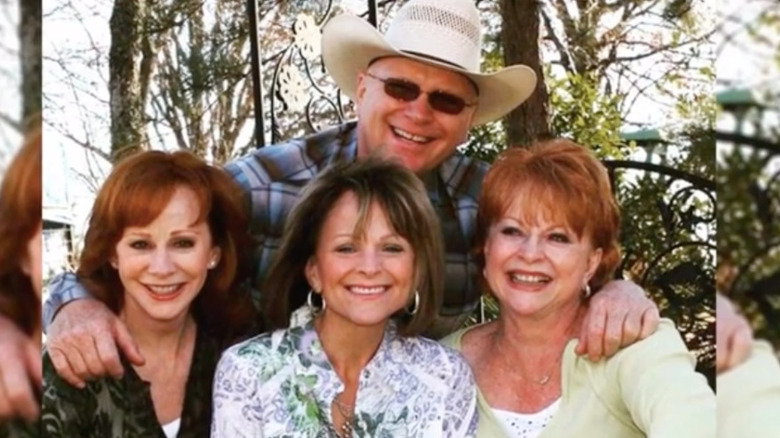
<point>281,384</point>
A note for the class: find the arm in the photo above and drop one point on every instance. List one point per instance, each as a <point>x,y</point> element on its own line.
<point>733,334</point>
<point>618,315</point>
<point>658,385</point>
<point>236,409</point>
<point>20,373</point>
<point>84,334</point>
<point>749,396</point>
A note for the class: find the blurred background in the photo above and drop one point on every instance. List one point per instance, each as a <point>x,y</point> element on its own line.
<point>748,160</point>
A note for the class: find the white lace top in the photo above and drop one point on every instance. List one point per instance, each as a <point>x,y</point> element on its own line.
<point>172,429</point>
<point>526,425</point>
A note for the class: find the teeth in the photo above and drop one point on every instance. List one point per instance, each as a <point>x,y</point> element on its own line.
<point>410,136</point>
<point>530,278</point>
<point>163,289</point>
<point>366,290</point>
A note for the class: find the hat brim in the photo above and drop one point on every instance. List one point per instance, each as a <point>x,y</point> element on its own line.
<point>350,43</point>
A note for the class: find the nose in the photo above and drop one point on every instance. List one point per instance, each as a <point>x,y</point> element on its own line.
<point>419,109</point>
<point>161,263</point>
<point>370,262</point>
<point>530,248</point>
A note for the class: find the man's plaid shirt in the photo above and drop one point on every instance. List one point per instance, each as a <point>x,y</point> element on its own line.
<point>272,179</point>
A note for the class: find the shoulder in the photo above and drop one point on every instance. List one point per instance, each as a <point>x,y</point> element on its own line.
<point>665,340</point>
<point>463,174</point>
<point>661,357</point>
<point>265,354</point>
<point>431,358</point>
<point>254,350</point>
<point>299,158</point>
<point>458,340</point>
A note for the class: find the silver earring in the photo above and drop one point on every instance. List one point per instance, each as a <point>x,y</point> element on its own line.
<point>416,307</point>
<point>309,303</point>
<point>212,264</point>
<point>586,290</point>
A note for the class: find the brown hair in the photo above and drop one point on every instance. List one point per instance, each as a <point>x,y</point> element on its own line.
<point>134,194</point>
<point>562,181</point>
<point>20,219</point>
<point>402,197</point>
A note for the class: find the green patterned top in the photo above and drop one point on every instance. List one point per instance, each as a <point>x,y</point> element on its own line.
<point>123,408</point>
<point>20,429</point>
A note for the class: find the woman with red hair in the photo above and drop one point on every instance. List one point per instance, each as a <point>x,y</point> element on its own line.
<point>20,255</point>
<point>166,241</point>
<point>547,231</point>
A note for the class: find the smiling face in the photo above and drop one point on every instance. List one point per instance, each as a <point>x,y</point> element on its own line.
<point>163,265</point>
<point>411,132</point>
<point>537,268</point>
<point>364,279</point>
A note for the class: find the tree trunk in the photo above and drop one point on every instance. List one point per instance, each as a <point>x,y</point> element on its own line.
<point>126,99</point>
<point>520,40</point>
<point>30,58</point>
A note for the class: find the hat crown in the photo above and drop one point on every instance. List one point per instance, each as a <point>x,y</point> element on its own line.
<point>444,30</point>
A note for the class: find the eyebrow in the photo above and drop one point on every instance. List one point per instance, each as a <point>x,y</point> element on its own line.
<point>386,236</point>
<point>174,233</point>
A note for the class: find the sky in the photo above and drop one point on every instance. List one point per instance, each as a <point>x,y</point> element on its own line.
<point>10,80</point>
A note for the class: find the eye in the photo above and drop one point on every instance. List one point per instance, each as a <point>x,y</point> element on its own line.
<point>511,231</point>
<point>560,237</point>
<point>345,249</point>
<point>393,248</point>
<point>140,244</point>
<point>183,243</point>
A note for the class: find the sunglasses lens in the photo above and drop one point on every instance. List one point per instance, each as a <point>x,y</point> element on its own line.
<point>401,90</point>
<point>446,103</point>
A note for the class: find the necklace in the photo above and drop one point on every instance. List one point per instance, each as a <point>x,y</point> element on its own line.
<point>540,381</point>
<point>347,411</point>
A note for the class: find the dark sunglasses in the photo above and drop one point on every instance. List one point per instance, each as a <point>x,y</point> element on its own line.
<point>409,91</point>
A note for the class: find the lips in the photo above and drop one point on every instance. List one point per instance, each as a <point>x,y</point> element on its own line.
<point>529,278</point>
<point>165,292</point>
<point>406,135</point>
<point>367,290</point>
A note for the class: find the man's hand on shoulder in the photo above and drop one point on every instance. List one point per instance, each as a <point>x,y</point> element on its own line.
<point>734,336</point>
<point>20,373</point>
<point>618,315</point>
<point>83,339</point>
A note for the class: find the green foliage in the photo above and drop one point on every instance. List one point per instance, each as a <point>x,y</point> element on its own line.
<point>580,112</point>
<point>748,242</point>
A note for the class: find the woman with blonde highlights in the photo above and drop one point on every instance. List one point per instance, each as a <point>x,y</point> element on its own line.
<point>547,240</point>
<point>166,241</point>
<point>362,248</point>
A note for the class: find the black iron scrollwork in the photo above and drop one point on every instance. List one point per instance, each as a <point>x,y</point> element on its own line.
<point>294,96</point>
<point>668,240</point>
<point>749,227</point>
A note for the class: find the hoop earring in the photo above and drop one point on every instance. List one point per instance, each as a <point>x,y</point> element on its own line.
<point>314,310</point>
<point>416,307</point>
<point>586,291</point>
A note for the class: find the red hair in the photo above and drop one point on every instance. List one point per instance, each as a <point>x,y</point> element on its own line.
<point>134,194</point>
<point>558,181</point>
<point>20,220</point>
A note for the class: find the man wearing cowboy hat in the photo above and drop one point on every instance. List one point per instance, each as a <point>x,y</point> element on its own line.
<point>418,90</point>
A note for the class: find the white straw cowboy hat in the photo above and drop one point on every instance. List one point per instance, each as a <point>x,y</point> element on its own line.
<point>442,33</point>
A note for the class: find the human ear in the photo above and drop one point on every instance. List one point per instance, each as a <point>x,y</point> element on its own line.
<point>313,275</point>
